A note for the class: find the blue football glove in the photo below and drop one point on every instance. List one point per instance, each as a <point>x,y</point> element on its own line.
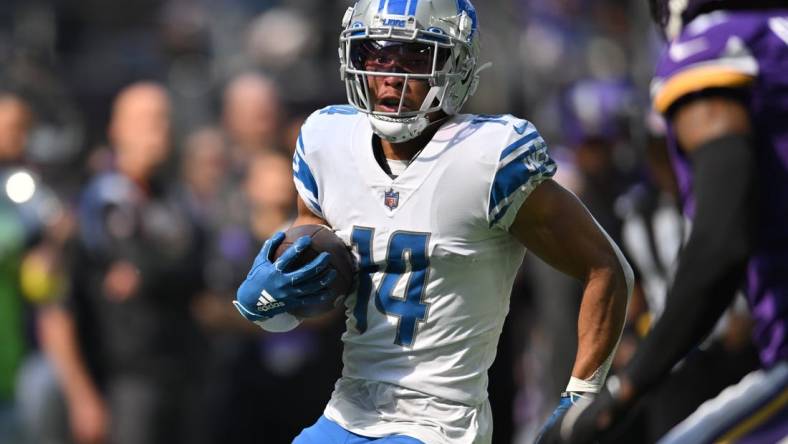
<point>568,399</point>
<point>270,290</point>
<point>591,421</point>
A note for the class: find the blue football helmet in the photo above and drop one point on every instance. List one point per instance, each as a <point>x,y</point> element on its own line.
<point>431,40</point>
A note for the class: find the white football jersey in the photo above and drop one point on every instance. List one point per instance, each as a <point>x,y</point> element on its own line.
<point>437,260</point>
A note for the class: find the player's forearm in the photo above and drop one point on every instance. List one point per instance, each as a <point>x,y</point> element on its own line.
<point>713,262</point>
<point>601,320</point>
<point>555,225</point>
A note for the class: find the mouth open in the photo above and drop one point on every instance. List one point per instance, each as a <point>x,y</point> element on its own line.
<point>391,105</point>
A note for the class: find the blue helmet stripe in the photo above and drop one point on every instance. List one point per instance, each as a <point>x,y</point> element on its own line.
<point>465,5</point>
<point>398,7</point>
<point>412,4</point>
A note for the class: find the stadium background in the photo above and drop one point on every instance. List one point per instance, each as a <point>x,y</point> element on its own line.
<point>241,76</point>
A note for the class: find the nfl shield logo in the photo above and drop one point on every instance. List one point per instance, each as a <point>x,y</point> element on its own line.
<point>391,199</point>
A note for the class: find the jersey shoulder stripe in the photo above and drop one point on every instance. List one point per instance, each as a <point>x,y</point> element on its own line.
<point>326,128</point>
<point>522,165</point>
<point>305,182</point>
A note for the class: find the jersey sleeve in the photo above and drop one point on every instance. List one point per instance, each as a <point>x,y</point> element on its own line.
<point>523,164</point>
<point>712,52</point>
<point>303,173</point>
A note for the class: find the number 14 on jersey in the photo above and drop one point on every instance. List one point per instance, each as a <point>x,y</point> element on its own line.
<point>406,258</point>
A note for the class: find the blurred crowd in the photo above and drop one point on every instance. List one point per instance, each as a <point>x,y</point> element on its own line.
<point>145,156</point>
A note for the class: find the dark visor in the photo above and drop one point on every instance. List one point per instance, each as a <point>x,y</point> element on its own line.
<point>393,56</point>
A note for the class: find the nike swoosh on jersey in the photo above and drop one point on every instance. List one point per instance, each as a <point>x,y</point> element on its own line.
<point>779,25</point>
<point>681,50</point>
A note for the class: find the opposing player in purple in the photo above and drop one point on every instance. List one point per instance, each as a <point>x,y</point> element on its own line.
<point>722,84</point>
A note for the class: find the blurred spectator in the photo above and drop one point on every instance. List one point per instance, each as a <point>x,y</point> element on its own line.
<point>278,38</point>
<point>271,193</point>
<point>126,349</point>
<point>251,369</point>
<point>219,209</point>
<point>251,117</point>
<point>32,227</point>
<point>219,206</point>
<point>15,120</point>
<point>598,124</point>
<point>15,123</point>
<point>205,164</point>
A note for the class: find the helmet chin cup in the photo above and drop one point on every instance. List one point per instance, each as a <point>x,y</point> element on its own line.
<point>398,130</point>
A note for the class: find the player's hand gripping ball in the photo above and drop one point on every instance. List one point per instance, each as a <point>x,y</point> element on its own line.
<point>302,272</point>
<point>323,240</point>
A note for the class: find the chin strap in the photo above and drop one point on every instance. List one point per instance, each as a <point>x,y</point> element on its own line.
<point>403,131</point>
<point>398,130</point>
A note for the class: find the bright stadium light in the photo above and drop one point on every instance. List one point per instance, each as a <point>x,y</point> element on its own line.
<point>20,187</point>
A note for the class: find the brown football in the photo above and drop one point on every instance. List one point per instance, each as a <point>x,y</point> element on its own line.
<point>341,260</point>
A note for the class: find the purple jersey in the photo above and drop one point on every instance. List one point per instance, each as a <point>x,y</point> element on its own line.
<point>744,50</point>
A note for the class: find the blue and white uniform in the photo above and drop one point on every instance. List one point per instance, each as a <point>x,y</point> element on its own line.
<point>437,266</point>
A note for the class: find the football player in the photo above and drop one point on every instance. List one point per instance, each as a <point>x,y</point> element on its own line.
<point>440,207</point>
<point>722,84</point>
